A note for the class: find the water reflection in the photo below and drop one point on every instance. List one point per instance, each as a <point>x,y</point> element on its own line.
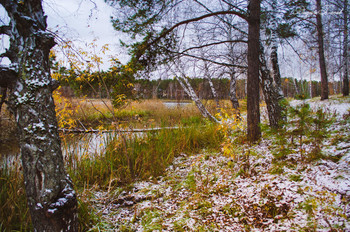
<point>176,104</point>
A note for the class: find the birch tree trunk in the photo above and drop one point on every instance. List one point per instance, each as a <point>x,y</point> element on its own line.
<point>274,51</point>
<point>190,92</point>
<point>271,93</point>
<point>233,87</point>
<point>51,198</point>
<point>322,60</point>
<point>213,91</point>
<point>253,111</point>
<point>297,90</point>
<point>345,50</point>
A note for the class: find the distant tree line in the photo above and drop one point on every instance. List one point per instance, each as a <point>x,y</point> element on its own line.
<point>171,89</point>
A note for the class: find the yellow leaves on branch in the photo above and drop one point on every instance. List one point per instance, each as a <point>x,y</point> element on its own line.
<point>64,110</point>
<point>230,123</point>
<point>80,59</point>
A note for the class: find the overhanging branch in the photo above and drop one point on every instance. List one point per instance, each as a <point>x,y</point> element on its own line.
<point>216,43</point>
<point>209,60</point>
<point>166,32</point>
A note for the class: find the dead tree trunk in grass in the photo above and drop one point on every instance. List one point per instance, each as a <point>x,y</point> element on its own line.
<point>51,198</point>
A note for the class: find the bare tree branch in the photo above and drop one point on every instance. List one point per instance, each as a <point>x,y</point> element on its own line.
<point>211,61</point>
<point>166,32</point>
<point>215,43</point>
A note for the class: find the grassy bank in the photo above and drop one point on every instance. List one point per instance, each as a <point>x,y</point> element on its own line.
<point>126,158</point>
<point>130,157</point>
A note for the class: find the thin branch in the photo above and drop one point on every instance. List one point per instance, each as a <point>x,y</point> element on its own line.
<point>215,43</point>
<point>166,32</point>
<point>296,52</point>
<point>211,61</point>
<point>222,19</point>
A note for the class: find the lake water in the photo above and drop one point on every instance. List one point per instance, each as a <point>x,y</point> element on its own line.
<point>176,104</point>
<point>81,144</point>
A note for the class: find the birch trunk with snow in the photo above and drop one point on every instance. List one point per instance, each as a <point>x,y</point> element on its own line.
<point>190,92</point>
<point>51,198</point>
<point>271,94</point>
<point>207,75</point>
<point>213,91</point>
<point>233,87</point>
<point>274,50</point>
<point>297,90</point>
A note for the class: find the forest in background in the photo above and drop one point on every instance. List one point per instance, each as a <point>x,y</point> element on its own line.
<point>172,90</point>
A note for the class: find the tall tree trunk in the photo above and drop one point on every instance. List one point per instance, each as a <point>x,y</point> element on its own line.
<point>233,87</point>
<point>276,69</point>
<point>253,111</point>
<point>274,51</point>
<point>272,94</point>
<point>155,89</point>
<point>345,51</point>
<point>51,198</point>
<point>297,90</point>
<point>190,92</point>
<point>213,91</point>
<point>322,60</point>
<point>232,71</point>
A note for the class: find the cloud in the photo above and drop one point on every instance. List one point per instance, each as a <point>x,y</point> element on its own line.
<point>84,21</point>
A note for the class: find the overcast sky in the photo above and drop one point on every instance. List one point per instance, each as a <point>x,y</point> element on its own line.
<point>82,21</point>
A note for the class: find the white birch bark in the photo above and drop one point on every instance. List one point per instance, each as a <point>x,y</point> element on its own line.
<point>51,198</point>
<point>190,92</point>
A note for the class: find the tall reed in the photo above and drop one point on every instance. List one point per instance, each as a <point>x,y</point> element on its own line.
<point>130,157</point>
<point>14,214</point>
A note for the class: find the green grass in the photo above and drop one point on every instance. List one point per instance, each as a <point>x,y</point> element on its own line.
<point>14,214</point>
<point>130,157</point>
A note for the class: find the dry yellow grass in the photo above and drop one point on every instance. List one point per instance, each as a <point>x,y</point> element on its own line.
<point>139,114</point>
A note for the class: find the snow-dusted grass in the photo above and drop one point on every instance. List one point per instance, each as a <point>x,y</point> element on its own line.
<point>250,190</point>
<point>247,189</point>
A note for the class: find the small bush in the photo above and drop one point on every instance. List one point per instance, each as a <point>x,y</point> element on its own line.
<point>303,127</point>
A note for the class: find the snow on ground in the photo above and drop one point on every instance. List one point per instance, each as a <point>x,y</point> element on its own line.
<point>336,105</point>
<point>211,192</point>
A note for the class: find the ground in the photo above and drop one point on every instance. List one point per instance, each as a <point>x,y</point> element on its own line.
<point>246,191</point>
